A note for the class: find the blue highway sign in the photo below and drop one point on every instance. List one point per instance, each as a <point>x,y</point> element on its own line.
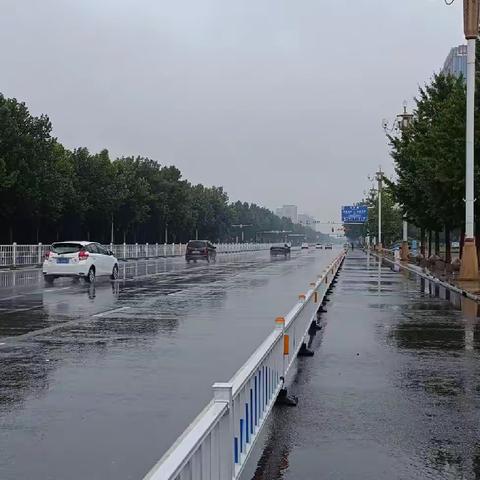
<point>354,214</point>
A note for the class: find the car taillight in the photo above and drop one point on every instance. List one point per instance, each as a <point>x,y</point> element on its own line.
<point>47,255</point>
<point>82,255</point>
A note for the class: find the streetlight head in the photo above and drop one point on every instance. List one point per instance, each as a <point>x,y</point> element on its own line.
<point>470,18</point>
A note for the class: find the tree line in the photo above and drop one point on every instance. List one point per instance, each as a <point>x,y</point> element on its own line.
<point>429,160</point>
<point>48,192</point>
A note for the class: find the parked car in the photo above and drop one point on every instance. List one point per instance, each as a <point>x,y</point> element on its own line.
<point>200,250</point>
<point>328,246</point>
<point>304,246</point>
<point>280,250</point>
<point>319,246</point>
<point>79,259</point>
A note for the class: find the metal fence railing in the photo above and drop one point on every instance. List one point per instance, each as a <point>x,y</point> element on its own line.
<point>24,255</point>
<point>217,445</point>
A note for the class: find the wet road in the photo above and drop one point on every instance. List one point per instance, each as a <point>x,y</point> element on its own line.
<point>98,381</point>
<point>393,391</point>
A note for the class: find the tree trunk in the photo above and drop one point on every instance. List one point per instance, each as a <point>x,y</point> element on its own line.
<point>429,243</point>
<point>422,241</point>
<point>462,241</point>
<point>448,246</point>
<point>437,243</point>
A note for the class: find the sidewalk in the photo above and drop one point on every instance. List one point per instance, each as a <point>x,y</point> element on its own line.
<point>392,391</point>
<point>469,288</point>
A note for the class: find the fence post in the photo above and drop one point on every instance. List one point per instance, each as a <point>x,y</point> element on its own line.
<point>146,250</point>
<point>173,249</point>
<point>111,248</point>
<point>136,250</point>
<point>124,251</point>
<point>39,254</point>
<point>14,254</point>
<point>280,327</point>
<point>223,393</point>
<point>156,249</point>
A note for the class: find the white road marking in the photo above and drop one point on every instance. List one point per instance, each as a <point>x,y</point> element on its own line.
<point>10,298</point>
<point>108,312</point>
<point>61,325</point>
<point>17,310</point>
<point>56,289</point>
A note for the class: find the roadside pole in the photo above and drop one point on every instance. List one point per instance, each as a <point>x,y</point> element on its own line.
<point>379,175</point>
<point>404,250</point>
<point>469,266</point>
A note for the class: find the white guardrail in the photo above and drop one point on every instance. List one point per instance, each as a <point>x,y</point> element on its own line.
<point>217,445</point>
<point>23,255</point>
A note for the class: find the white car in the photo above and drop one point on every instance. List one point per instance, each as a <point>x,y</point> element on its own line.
<point>328,246</point>
<point>319,246</point>
<point>304,246</point>
<point>79,259</point>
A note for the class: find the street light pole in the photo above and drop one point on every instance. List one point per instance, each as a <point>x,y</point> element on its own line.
<point>469,267</point>
<point>403,122</point>
<point>379,175</point>
<point>111,232</point>
<point>241,226</point>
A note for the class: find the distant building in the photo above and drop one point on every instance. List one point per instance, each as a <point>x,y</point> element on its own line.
<point>289,211</point>
<point>456,62</point>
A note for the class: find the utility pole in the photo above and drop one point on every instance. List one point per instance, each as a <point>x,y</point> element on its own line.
<point>241,227</point>
<point>379,177</point>
<point>111,233</point>
<point>469,266</point>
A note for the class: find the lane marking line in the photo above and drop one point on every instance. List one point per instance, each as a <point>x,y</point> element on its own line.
<point>18,310</point>
<point>58,326</point>
<point>4,299</point>
<point>108,312</point>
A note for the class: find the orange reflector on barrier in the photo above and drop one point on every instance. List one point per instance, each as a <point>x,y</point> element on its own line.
<point>301,296</point>
<point>315,296</point>
<point>286,338</point>
<point>280,321</point>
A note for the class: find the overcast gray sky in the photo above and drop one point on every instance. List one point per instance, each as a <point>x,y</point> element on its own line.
<point>279,101</point>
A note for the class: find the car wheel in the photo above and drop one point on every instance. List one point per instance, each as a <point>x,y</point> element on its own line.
<point>114,275</point>
<point>48,279</point>
<point>90,278</point>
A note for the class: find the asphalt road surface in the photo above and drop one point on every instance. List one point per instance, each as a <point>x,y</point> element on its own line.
<point>98,381</point>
